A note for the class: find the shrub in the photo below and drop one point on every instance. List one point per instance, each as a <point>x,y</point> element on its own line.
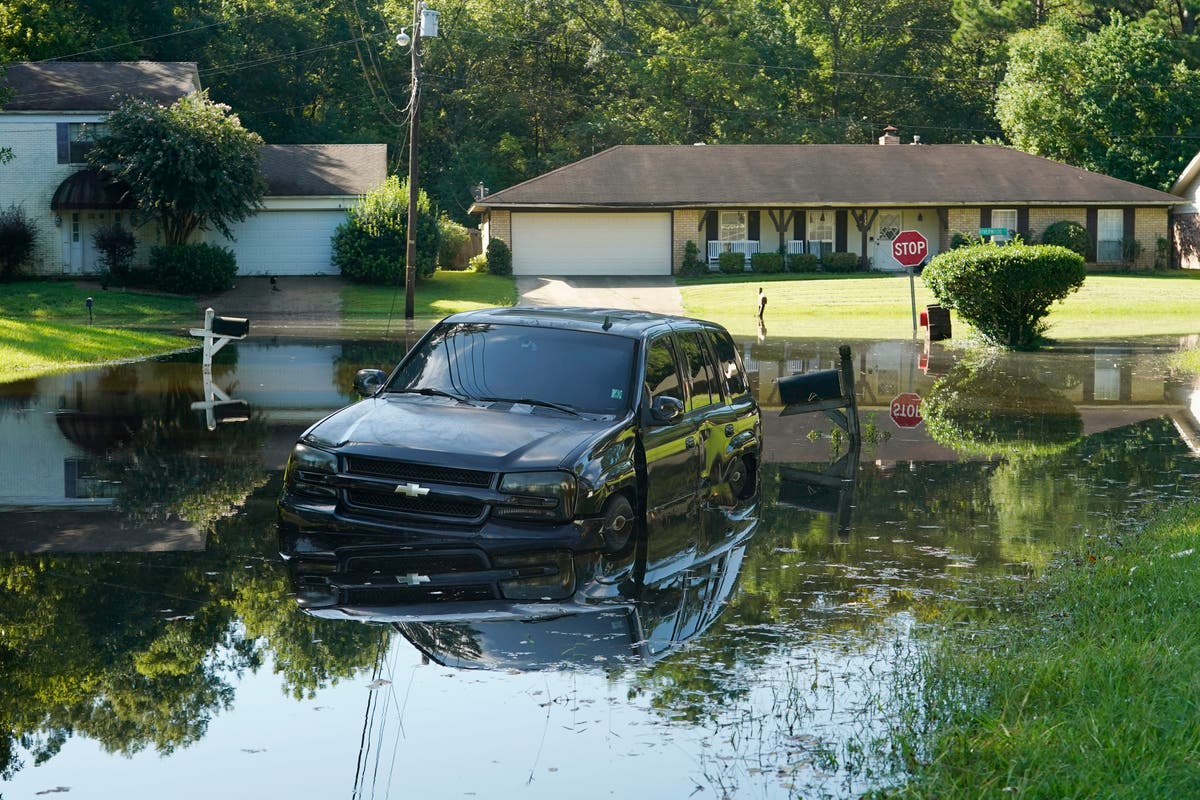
<point>1005,292</point>
<point>17,239</point>
<point>802,262</point>
<point>192,268</point>
<point>1162,252</point>
<point>499,257</point>
<point>766,263</point>
<point>839,262</point>
<point>1070,235</point>
<point>454,240</point>
<point>959,239</point>
<point>731,263</point>
<point>1131,251</point>
<point>478,263</point>
<point>692,265</point>
<point>371,245</point>
<point>116,246</point>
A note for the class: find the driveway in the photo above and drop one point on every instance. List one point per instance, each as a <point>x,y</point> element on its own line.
<point>643,293</point>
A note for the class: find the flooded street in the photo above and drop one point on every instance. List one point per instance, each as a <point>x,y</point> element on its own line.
<point>151,634</point>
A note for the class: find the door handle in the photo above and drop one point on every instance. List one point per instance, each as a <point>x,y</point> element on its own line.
<point>689,441</point>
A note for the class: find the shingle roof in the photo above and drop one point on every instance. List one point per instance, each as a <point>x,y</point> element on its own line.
<point>305,170</point>
<point>641,176</point>
<point>96,85</point>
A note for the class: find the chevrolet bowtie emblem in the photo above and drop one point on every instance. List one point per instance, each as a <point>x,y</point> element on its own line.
<point>411,490</point>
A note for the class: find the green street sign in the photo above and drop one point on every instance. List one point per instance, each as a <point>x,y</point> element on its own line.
<point>993,232</point>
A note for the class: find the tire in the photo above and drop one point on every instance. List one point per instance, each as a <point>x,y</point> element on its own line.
<point>619,523</point>
<point>739,478</point>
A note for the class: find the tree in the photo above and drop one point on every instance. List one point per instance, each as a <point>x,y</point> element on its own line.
<point>191,165</point>
<point>17,241</point>
<point>1120,101</point>
<point>1005,292</point>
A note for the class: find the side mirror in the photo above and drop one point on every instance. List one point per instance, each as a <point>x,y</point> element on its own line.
<point>666,409</point>
<point>368,381</point>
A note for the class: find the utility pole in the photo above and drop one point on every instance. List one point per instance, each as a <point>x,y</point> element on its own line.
<point>410,257</point>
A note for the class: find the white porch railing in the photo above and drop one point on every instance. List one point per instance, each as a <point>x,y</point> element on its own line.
<point>747,247</point>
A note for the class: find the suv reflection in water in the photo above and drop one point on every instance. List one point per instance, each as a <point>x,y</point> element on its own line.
<point>542,609</point>
<point>508,434</point>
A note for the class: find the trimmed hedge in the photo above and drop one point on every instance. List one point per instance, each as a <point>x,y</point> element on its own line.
<point>732,263</point>
<point>766,263</point>
<point>192,268</point>
<point>839,262</point>
<point>803,262</point>
<point>1005,292</point>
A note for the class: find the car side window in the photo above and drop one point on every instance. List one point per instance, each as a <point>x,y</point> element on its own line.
<point>727,363</point>
<point>703,378</point>
<point>662,377</point>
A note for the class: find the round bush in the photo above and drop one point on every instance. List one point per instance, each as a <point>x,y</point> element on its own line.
<point>692,266</point>
<point>1070,235</point>
<point>1005,292</point>
<point>17,240</point>
<point>455,238</point>
<point>192,268</point>
<point>731,263</point>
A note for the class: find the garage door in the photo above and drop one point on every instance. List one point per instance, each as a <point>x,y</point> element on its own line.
<point>286,242</point>
<point>591,244</point>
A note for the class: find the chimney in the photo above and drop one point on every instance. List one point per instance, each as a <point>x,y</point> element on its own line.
<point>890,136</point>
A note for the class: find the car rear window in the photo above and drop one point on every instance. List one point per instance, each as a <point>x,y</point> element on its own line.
<point>588,371</point>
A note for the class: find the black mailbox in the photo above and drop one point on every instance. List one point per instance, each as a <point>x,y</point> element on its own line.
<point>939,323</point>
<point>232,327</point>
<point>810,387</point>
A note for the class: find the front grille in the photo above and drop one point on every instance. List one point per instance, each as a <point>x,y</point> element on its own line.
<point>385,595</point>
<point>422,563</point>
<point>419,473</point>
<point>430,505</point>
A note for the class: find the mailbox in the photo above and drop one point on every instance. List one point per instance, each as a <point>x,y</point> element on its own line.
<point>231,327</point>
<point>810,387</point>
<point>231,411</point>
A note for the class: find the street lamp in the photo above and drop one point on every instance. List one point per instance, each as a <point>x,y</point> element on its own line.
<point>424,23</point>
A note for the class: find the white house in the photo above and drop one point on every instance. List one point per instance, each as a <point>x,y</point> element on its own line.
<point>58,109</point>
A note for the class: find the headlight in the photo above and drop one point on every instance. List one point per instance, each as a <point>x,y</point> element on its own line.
<point>309,471</point>
<point>547,496</point>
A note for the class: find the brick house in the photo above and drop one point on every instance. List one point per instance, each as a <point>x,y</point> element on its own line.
<point>631,209</point>
<point>56,111</point>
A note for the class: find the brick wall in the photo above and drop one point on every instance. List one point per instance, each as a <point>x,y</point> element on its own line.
<point>29,181</point>
<point>685,226</point>
<point>497,225</point>
<point>1150,225</point>
<point>1042,218</point>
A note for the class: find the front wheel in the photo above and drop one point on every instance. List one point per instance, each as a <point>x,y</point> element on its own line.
<point>739,478</point>
<point>619,523</point>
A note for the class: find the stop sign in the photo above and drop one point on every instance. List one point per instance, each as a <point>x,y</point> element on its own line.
<point>910,248</point>
<point>906,410</point>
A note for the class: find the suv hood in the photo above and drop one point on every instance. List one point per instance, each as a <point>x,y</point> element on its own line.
<point>493,437</point>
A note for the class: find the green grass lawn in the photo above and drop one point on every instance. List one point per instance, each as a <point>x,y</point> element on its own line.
<point>1092,692</point>
<point>880,306</point>
<point>44,326</point>
<point>436,296</point>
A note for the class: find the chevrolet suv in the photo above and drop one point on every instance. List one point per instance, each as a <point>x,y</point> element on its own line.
<point>526,428</point>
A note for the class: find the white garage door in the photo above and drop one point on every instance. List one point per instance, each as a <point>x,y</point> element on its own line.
<point>286,242</point>
<point>591,244</point>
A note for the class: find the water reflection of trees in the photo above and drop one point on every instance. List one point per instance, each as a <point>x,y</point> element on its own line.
<point>138,650</point>
<point>985,407</point>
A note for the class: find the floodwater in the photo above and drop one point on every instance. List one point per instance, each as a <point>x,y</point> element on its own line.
<point>151,643</point>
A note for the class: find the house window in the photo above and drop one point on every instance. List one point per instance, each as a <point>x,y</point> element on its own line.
<point>80,138</point>
<point>1004,218</point>
<point>820,232</point>
<point>733,226</point>
<point>1110,229</point>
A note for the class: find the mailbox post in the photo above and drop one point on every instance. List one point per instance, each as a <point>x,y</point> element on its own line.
<point>216,333</point>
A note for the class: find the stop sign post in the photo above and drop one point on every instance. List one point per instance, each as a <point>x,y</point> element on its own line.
<point>910,249</point>
<point>905,410</point>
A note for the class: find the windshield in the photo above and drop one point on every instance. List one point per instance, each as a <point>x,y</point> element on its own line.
<point>583,371</point>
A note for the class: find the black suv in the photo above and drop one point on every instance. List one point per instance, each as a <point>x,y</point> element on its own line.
<point>522,428</point>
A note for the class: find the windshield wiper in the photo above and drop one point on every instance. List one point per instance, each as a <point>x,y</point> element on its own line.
<point>431,392</point>
<point>529,401</point>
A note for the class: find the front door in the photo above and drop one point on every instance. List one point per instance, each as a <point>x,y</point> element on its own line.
<point>890,224</point>
<point>79,252</point>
